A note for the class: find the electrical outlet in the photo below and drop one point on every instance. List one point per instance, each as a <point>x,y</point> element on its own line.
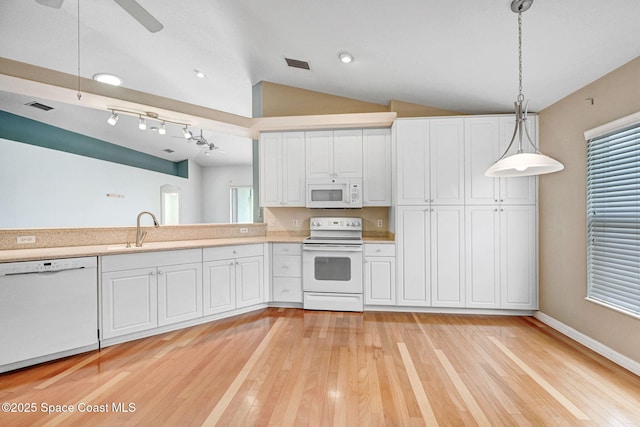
<point>244,230</point>
<point>26,239</point>
<point>379,223</point>
<point>295,223</point>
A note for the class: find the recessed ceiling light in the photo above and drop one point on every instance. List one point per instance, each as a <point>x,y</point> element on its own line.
<point>200,74</point>
<point>345,57</point>
<point>107,78</point>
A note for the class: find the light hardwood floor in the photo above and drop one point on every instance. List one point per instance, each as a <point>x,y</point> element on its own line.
<point>289,367</point>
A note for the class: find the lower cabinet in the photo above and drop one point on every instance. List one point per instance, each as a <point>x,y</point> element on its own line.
<point>431,256</point>
<point>501,257</point>
<point>166,289</point>
<point>233,277</point>
<point>286,272</point>
<point>379,274</point>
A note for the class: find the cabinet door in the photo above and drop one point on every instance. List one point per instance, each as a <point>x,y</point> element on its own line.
<point>376,159</point>
<point>518,190</point>
<point>219,286</point>
<point>380,280</point>
<point>347,153</point>
<point>482,149</point>
<point>249,281</point>
<point>271,166</point>
<point>482,256</point>
<point>129,301</point>
<point>287,289</point>
<point>293,169</point>
<point>413,251</point>
<point>518,258</point>
<point>319,154</point>
<point>446,161</point>
<point>179,293</point>
<point>412,151</point>
<point>447,256</point>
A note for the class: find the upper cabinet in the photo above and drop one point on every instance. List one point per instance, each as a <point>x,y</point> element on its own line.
<point>486,138</point>
<point>334,154</point>
<point>430,161</point>
<point>282,169</point>
<point>376,163</point>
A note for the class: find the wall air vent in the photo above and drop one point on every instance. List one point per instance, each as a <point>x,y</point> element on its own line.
<point>296,63</point>
<point>168,150</point>
<point>38,105</point>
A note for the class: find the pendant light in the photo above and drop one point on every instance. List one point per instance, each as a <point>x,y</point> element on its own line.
<point>522,163</point>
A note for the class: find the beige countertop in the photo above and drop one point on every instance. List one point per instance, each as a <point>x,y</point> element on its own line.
<point>16,255</point>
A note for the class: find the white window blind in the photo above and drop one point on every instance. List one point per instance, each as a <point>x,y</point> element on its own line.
<point>613,219</point>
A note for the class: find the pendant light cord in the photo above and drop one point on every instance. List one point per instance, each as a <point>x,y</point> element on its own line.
<point>79,94</point>
<point>520,95</point>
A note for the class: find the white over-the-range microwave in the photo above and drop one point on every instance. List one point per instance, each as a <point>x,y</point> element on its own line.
<point>334,193</point>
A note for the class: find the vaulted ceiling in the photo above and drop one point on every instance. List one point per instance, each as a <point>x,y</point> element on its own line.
<point>457,55</point>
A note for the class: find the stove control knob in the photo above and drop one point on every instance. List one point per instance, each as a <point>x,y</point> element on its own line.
<point>357,223</point>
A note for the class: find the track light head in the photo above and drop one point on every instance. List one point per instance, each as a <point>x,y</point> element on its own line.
<point>142,124</point>
<point>162,130</point>
<point>113,118</point>
<point>187,133</point>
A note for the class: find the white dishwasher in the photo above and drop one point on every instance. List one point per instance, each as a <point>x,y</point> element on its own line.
<point>48,310</point>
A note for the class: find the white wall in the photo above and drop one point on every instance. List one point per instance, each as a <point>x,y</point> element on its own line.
<point>216,182</point>
<point>40,187</point>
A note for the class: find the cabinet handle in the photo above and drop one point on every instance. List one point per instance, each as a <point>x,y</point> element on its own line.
<point>234,251</point>
<point>502,200</point>
<point>495,200</point>
<point>152,273</point>
<point>160,273</point>
<point>231,263</point>
<point>237,263</point>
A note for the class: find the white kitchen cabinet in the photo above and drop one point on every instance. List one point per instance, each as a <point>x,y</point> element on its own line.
<point>379,274</point>
<point>233,277</point>
<point>447,256</point>
<point>286,279</point>
<point>501,257</point>
<point>219,286</point>
<point>282,169</point>
<point>376,164</point>
<point>334,154</point>
<point>431,256</point>
<point>486,138</point>
<point>179,293</point>
<point>429,161</point>
<point>129,302</point>
<point>518,258</point>
<point>167,288</point>
<point>414,255</point>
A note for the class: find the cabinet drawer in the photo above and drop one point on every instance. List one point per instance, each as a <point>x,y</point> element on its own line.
<point>235,251</point>
<point>379,249</point>
<point>287,266</point>
<point>287,249</point>
<point>287,289</point>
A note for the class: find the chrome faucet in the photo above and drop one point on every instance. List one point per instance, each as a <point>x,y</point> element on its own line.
<point>140,235</point>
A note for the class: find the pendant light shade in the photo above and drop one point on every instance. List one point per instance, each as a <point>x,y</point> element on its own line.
<point>522,163</point>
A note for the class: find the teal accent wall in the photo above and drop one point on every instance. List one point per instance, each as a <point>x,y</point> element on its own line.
<point>28,131</point>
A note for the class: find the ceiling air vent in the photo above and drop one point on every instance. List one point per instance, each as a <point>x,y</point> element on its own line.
<point>168,150</point>
<point>296,63</point>
<point>39,106</point>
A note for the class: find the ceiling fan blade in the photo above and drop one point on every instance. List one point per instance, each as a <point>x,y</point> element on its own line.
<point>51,3</point>
<point>133,8</point>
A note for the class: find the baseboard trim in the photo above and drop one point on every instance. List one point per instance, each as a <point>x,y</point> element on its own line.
<point>590,343</point>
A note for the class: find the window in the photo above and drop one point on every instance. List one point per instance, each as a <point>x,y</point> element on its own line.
<point>241,204</point>
<point>613,218</point>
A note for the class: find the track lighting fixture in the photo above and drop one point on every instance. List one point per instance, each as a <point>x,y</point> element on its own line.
<point>113,118</point>
<point>142,121</point>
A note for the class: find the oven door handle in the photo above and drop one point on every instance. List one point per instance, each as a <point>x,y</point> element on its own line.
<point>333,248</point>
